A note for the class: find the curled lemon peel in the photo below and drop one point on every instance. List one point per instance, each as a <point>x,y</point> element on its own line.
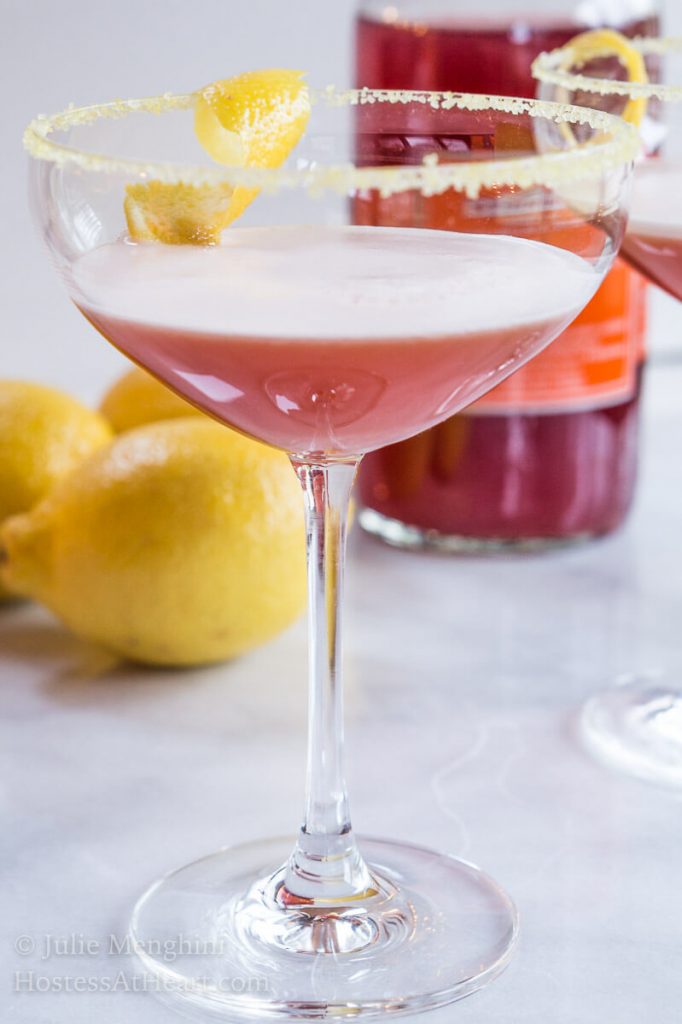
<point>549,69</point>
<point>253,120</point>
<point>177,214</point>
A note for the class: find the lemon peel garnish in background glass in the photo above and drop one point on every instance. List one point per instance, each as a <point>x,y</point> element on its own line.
<point>602,43</point>
<point>253,120</point>
<point>606,42</point>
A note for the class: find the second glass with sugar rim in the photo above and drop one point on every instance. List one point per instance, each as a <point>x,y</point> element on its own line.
<point>636,725</point>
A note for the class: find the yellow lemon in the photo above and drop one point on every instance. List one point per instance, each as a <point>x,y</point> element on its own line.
<point>177,214</point>
<point>138,398</point>
<point>44,435</point>
<point>252,120</point>
<point>181,543</point>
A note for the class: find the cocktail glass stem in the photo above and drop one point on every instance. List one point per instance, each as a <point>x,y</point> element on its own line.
<point>326,868</point>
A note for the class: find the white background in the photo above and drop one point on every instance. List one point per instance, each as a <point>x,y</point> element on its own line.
<point>54,52</point>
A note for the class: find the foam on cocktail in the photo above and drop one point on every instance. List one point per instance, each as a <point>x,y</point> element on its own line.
<point>352,282</point>
<point>654,239</point>
<point>333,338</point>
<point>657,200</point>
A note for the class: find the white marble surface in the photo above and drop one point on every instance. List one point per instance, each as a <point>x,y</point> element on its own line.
<point>464,679</point>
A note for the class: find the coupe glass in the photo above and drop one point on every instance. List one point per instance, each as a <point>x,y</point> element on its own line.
<point>636,726</point>
<point>324,326</point>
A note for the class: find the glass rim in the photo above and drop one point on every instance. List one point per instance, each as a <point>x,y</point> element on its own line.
<point>620,147</point>
<point>552,68</point>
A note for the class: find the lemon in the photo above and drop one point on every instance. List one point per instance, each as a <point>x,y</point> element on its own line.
<point>44,434</point>
<point>138,398</point>
<point>178,214</point>
<point>251,120</point>
<point>254,119</point>
<point>181,543</point>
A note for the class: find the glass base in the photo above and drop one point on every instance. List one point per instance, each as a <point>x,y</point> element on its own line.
<point>216,936</point>
<point>636,727</point>
<point>401,535</point>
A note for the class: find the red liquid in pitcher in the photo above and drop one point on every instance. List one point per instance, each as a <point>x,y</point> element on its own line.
<point>552,453</point>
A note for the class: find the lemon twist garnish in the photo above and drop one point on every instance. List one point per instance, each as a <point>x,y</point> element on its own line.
<point>253,120</point>
<point>606,42</point>
<point>177,214</point>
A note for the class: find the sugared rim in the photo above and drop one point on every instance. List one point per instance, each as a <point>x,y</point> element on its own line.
<point>617,147</point>
<point>553,69</point>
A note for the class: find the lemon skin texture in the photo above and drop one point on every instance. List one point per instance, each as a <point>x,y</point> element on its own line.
<point>44,435</point>
<point>182,543</point>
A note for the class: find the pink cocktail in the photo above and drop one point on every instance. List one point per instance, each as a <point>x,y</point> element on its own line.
<point>332,340</point>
